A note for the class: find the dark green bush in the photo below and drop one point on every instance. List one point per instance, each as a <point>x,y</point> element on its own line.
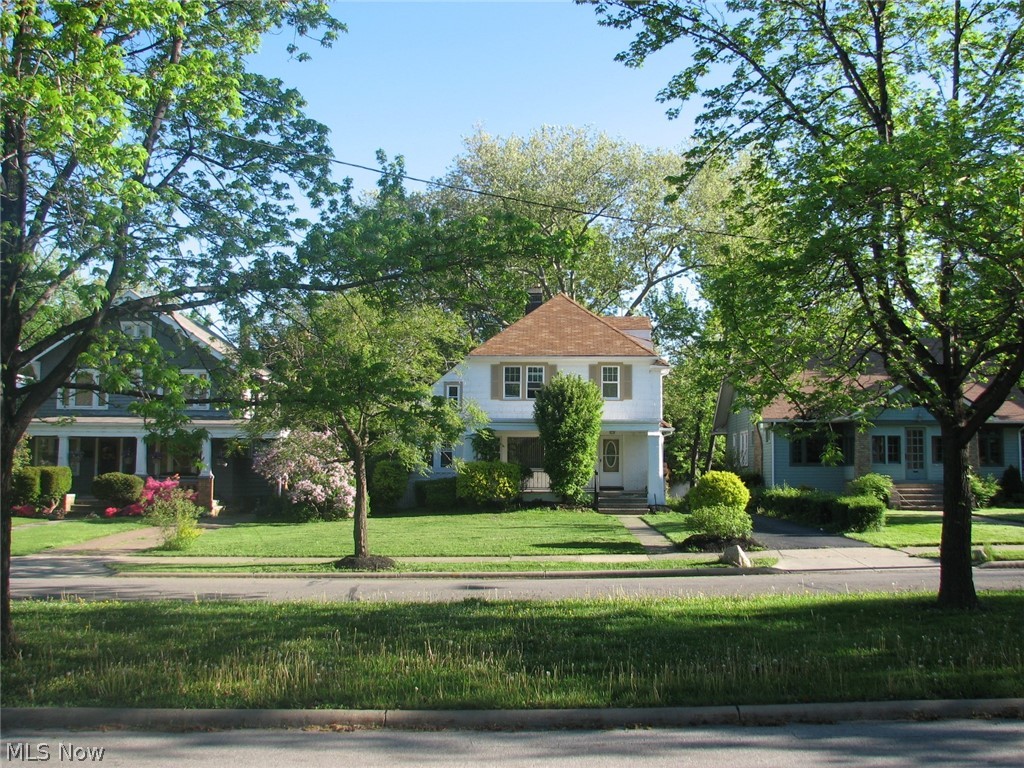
<point>718,488</point>
<point>486,445</point>
<point>25,486</point>
<point>751,479</point>
<point>568,416</point>
<point>388,484</point>
<point>54,482</point>
<point>822,510</point>
<point>1011,486</point>
<point>488,482</point>
<point>436,494</point>
<point>118,488</point>
<point>873,484</point>
<point>723,520</point>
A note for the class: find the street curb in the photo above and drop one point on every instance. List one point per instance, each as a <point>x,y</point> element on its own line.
<point>96,718</point>
<point>616,574</point>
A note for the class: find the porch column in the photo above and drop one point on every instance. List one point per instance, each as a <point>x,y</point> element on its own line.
<point>63,451</point>
<point>206,457</point>
<point>655,468</point>
<point>141,462</point>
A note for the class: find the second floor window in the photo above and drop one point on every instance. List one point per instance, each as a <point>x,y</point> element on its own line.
<point>610,382</point>
<point>73,397</point>
<point>197,390</point>
<point>513,382</point>
<point>534,380</point>
<point>453,391</point>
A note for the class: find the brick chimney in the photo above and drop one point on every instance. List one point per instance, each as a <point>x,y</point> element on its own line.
<point>535,297</point>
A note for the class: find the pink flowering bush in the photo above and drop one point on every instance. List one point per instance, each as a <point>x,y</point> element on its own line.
<point>313,471</point>
<point>152,491</point>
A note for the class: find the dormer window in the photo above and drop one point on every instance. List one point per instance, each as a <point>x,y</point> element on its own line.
<point>136,329</point>
<point>198,389</point>
<point>72,397</point>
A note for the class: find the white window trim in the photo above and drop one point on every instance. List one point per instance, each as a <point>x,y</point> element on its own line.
<point>528,370</point>
<point>131,328</point>
<point>98,403</point>
<point>617,382</point>
<point>505,382</point>
<point>201,373</point>
<point>449,386</point>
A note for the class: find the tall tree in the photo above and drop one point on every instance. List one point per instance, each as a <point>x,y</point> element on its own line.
<point>361,372</point>
<point>593,216</point>
<point>139,154</point>
<point>887,141</point>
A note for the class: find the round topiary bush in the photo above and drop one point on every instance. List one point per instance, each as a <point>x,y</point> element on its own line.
<point>726,521</point>
<point>118,488</point>
<point>718,488</point>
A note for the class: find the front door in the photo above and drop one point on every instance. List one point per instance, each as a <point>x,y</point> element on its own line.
<point>611,463</point>
<point>915,454</point>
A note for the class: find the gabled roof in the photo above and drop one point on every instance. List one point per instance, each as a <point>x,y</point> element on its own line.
<point>562,328</point>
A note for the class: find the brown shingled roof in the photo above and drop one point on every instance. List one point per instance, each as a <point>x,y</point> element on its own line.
<point>562,328</point>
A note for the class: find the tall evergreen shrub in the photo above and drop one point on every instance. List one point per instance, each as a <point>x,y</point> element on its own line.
<point>568,416</point>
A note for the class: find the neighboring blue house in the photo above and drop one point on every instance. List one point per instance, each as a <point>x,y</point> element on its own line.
<point>903,443</point>
<point>94,433</point>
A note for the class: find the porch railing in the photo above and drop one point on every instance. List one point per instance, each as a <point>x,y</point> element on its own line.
<point>539,482</point>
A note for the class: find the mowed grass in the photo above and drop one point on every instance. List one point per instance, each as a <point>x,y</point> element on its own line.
<point>482,654</point>
<point>30,540</point>
<point>675,525</point>
<point>1009,514</point>
<point>924,529</point>
<point>483,534</point>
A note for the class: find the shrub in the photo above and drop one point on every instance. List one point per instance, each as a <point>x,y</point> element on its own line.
<point>871,484</point>
<point>486,445</point>
<point>25,486</point>
<point>858,513</point>
<point>488,482</point>
<point>388,484</point>
<point>118,488</point>
<point>177,516</point>
<point>751,479</point>
<point>984,488</point>
<point>568,416</point>
<point>718,488</point>
<point>728,521</point>
<point>54,482</point>
<point>436,494</point>
<point>314,470</point>
<point>1012,488</point>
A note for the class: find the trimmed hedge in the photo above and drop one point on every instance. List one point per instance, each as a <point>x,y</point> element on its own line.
<point>388,484</point>
<point>119,488</point>
<point>54,482</point>
<point>25,486</point>
<point>718,488</point>
<point>436,494</point>
<point>823,510</point>
<point>871,484</point>
<point>723,520</point>
<point>488,482</point>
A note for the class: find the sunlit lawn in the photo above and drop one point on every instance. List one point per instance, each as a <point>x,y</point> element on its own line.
<point>497,534</point>
<point>675,525</point>
<point>924,529</point>
<point>30,540</point>
<point>618,652</point>
<point>1012,514</point>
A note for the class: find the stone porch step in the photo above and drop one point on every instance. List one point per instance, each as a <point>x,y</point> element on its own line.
<point>927,496</point>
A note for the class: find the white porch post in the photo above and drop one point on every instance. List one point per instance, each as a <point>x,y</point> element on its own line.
<point>655,468</point>
<point>63,451</point>
<point>140,457</point>
<point>206,456</point>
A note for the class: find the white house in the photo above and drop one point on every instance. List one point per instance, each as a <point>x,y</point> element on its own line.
<point>503,376</point>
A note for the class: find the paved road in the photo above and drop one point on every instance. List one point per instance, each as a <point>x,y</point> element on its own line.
<point>947,744</point>
<point>42,576</point>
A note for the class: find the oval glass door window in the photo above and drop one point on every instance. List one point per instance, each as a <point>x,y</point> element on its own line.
<point>611,456</point>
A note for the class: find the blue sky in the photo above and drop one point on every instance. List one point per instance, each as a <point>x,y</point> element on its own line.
<point>414,78</point>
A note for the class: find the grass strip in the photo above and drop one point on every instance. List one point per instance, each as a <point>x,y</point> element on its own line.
<point>481,654</point>
<point>39,538</point>
<point>450,567</point>
<point>924,529</point>
<point>674,525</point>
<point>487,534</point>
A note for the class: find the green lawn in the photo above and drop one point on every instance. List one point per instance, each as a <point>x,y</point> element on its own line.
<point>482,654</point>
<point>29,540</point>
<point>674,525</point>
<point>1012,514</point>
<point>18,521</point>
<point>924,529</point>
<point>521,532</point>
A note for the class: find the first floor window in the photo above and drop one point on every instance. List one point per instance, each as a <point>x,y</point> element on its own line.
<point>990,446</point>
<point>936,449</point>
<point>447,457</point>
<point>610,382</point>
<point>513,382</point>
<point>886,449</point>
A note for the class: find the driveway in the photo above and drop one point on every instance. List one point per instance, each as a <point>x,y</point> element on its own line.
<point>783,534</point>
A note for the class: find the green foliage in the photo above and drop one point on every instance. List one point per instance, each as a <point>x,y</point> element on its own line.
<point>488,482</point>
<point>1011,486</point>
<point>486,445</point>
<point>984,488</point>
<point>439,493</point>
<point>118,488</point>
<point>568,416</point>
<point>871,484</point>
<point>728,521</point>
<point>25,486</point>
<point>823,510</point>
<point>718,488</point>
<point>390,479</point>
<point>177,517</point>
<point>54,482</point>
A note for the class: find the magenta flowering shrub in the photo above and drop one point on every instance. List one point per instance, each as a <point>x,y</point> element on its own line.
<point>153,491</point>
<point>312,470</point>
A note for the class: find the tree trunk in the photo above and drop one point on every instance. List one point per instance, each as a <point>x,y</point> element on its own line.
<point>694,453</point>
<point>956,574</point>
<point>8,640</point>
<point>709,459</point>
<point>362,548</point>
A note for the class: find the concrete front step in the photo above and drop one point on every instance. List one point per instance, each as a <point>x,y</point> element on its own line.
<point>622,504</point>
<point>917,496</point>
